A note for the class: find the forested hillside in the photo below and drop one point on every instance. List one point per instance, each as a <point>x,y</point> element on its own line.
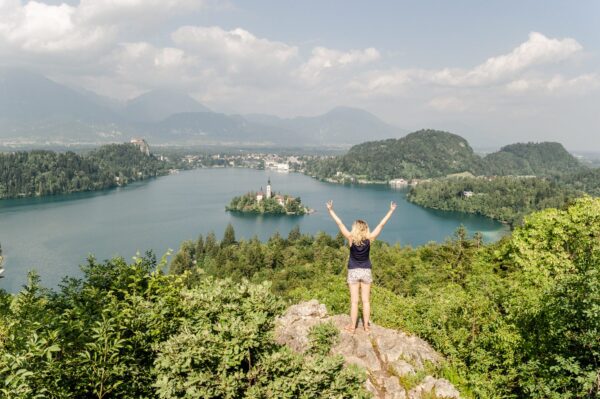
<point>39,173</point>
<point>505,198</point>
<point>426,153</point>
<point>538,159</point>
<point>433,153</point>
<point>516,319</point>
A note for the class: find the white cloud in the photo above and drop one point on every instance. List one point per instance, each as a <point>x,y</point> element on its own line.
<point>233,47</point>
<point>450,103</point>
<point>537,50</point>
<point>132,11</point>
<point>555,84</point>
<point>41,28</point>
<point>324,60</point>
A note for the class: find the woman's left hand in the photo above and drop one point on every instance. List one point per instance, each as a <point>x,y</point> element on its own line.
<point>392,206</point>
<point>329,205</point>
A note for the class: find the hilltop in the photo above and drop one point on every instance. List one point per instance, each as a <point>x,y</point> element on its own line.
<point>539,159</point>
<point>433,153</point>
<point>398,365</point>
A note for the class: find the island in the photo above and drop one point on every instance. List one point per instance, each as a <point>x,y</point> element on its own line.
<point>267,203</point>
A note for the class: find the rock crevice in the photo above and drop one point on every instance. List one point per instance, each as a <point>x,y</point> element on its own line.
<point>397,364</point>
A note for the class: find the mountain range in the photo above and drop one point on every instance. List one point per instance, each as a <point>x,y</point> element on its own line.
<point>36,109</point>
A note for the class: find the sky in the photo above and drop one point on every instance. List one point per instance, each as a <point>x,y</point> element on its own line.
<point>495,72</point>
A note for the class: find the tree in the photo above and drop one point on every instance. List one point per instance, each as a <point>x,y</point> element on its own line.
<point>1,260</point>
<point>211,245</point>
<point>294,234</point>
<point>228,236</point>
<point>340,239</point>
<point>199,251</point>
<point>554,300</point>
<point>183,259</point>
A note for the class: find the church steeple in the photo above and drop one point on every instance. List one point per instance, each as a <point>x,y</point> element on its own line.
<point>268,193</point>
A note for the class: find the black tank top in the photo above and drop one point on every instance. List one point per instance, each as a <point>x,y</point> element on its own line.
<point>359,256</point>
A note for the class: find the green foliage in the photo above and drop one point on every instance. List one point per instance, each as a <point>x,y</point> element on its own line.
<point>518,318</point>
<point>426,153</point>
<point>294,234</point>
<point>507,199</point>
<point>129,331</point>
<point>1,261</point>
<point>539,159</point>
<point>248,203</point>
<point>556,304</point>
<point>322,337</point>
<point>228,236</point>
<point>432,153</point>
<point>39,173</point>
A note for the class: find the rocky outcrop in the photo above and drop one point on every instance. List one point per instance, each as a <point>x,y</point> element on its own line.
<point>396,363</point>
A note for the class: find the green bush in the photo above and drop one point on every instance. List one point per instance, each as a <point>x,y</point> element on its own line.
<point>129,331</point>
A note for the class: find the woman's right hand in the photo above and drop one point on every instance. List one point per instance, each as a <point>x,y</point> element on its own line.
<point>392,206</point>
<point>330,205</point>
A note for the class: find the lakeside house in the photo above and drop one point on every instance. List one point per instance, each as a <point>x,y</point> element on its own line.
<point>398,182</point>
<point>278,166</point>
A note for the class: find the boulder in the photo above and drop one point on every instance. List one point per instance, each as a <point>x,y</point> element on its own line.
<point>386,354</point>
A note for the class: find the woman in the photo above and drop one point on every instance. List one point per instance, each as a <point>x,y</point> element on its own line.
<point>359,263</point>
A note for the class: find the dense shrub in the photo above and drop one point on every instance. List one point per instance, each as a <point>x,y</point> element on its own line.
<point>130,331</point>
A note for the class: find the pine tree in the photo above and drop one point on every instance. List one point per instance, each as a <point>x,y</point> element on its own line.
<point>1,259</point>
<point>340,239</point>
<point>294,234</point>
<point>183,259</point>
<point>210,245</point>
<point>228,237</point>
<point>199,251</point>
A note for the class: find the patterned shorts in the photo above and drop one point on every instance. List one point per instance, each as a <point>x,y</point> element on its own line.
<point>359,275</point>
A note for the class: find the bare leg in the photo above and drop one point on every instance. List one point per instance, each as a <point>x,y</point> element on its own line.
<point>353,306</point>
<point>365,292</point>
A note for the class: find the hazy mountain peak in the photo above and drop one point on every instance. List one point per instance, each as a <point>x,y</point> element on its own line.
<point>159,104</point>
<point>344,111</point>
<point>29,96</point>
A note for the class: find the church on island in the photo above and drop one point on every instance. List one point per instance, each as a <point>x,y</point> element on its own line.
<point>281,200</point>
<point>266,202</point>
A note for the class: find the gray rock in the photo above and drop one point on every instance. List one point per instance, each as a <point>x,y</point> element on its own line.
<point>441,388</point>
<point>402,368</point>
<point>393,389</point>
<point>384,353</point>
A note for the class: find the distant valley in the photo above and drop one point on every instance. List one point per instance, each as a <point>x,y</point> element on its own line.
<point>35,109</point>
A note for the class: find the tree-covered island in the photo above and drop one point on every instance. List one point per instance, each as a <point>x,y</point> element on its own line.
<point>267,203</point>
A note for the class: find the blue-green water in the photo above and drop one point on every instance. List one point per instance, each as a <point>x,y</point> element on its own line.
<point>54,235</point>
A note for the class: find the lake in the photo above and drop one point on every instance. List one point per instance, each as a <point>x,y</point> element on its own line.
<point>54,235</point>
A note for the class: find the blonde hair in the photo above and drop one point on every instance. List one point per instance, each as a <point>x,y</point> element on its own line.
<point>360,232</point>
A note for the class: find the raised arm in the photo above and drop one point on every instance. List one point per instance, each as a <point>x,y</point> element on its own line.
<point>337,220</point>
<point>387,217</point>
